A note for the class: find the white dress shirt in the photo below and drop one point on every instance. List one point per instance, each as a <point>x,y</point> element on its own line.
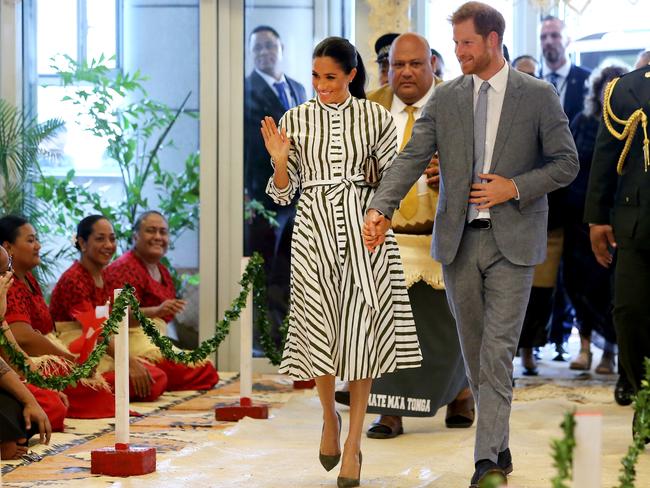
<point>400,117</point>
<point>562,80</point>
<point>496,94</point>
<point>287,89</point>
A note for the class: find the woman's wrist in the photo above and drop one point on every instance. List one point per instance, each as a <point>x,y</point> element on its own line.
<point>280,162</point>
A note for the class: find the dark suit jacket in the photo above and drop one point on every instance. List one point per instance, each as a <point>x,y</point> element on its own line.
<point>622,201</point>
<point>259,101</point>
<point>576,91</point>
<point>574,102</point>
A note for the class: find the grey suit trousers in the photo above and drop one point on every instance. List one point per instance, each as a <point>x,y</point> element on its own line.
<point>488,295</point>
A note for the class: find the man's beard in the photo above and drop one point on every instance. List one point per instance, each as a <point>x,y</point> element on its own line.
<point>480,63</point>
<point>551,55</point>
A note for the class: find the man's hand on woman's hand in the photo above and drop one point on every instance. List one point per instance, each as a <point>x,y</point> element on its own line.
<point>374,229</point>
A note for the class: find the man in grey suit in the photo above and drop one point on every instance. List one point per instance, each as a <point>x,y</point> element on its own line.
<point>504,143</point>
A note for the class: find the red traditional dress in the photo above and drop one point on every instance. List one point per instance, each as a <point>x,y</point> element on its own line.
<point>76,291</point>
<point>129,268</point>
<point>90,399</point>
<point>52,405</point>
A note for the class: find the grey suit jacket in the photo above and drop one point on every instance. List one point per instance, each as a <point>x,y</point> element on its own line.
<point>533,146</point>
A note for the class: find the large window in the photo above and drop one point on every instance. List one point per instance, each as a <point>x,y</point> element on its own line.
<point>158,40</point>
<point>279,38</point>
<point>601,33</point>
<point>83,30</point>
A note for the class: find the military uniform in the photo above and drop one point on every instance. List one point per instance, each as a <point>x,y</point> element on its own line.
<point>623,201</point>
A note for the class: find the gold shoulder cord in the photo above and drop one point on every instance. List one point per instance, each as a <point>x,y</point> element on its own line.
<point>629,130</point>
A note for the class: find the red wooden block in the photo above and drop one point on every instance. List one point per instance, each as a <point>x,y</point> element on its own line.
<point>234,413</point>
<point>123,460</point>
<point>304,385</point>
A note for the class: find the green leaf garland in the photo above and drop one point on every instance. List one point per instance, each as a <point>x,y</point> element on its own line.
<point>253,276</point>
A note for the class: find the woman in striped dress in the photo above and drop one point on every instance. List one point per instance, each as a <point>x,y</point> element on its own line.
<point>349,311</point>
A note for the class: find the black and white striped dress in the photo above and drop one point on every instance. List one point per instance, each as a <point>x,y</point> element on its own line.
<point>349,309</point>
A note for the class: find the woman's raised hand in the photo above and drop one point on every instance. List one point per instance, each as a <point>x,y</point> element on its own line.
<point>276,142</point>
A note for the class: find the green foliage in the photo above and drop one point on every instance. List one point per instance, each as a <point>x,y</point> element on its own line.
<point>641,431</point>
<point>252,277</point>
<point>262,323</point>
<point>563,449</point>
<point>79,371</point>
<point>136,129</point>
<point>255,207</point>
<point>21,144</point>
<point>23,141</point>
<point>563,452</point>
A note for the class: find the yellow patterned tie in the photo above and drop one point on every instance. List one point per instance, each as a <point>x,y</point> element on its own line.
<point>409,206</point>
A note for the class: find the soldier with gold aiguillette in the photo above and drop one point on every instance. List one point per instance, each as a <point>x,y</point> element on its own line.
<point>618,211</point>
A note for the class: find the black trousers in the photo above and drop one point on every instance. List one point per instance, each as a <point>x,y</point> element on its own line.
<point>588,284</point>
<point>632,311</point>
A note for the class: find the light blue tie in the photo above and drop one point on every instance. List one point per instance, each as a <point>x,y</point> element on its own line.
<point>480,124</point>
<point>554,78</point>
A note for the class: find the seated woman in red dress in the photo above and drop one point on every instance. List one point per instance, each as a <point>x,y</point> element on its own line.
<point>18,401</point>
<point>32,325</point>
<point>154,289</point>
<point>82,288</point>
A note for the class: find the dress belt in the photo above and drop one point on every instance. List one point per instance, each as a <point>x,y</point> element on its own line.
<point>357,180</point>
<point>343,192</point>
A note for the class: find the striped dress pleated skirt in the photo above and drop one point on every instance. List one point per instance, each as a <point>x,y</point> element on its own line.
<point>349,310</point>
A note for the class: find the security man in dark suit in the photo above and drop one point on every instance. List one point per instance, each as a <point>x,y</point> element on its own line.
<point>618,212</point>
<point>267,92</point>
<point>569,81</point>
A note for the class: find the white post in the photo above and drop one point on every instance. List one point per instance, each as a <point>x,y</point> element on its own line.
<point>122,379</point>
<point>246,343</point>
<point>588,451</point>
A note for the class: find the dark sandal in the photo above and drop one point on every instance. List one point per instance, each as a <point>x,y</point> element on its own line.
<point>384,430</point>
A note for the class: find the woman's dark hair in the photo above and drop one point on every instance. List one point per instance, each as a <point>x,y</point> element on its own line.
<point>9,226</point>
<point>144,215</point>
<point>85,228</point>
<point>347,57</point>
<point>598,79</point>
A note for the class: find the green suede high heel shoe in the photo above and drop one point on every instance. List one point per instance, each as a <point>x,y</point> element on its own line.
<point>342,482</point>
<point>329,462</point>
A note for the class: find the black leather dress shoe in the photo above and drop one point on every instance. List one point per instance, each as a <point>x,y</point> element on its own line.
<point>487,470</point>
<point>505,461</point>
<point>623,391</point>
